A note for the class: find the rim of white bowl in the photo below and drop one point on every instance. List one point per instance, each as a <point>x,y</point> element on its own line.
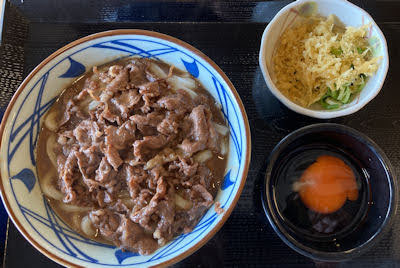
<point>327,114</point>
<point>65,48</point>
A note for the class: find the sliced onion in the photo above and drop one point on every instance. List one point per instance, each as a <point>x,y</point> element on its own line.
<point>203,156</point>
<point>221,129</point>
<point>157,234</point>
<point>85,103</point>
<point>185,75</point>
<point>73,208</point>
<point>76,221</point>
<point>93,105</point>
<point>50,121</point>
<point>128,202</point>
<point>155,69</point>
<point>190,92</point>
<point>112,71</point>
<point>123,194</point>
<point>224,147</point>
<point>50,145</point>
<point>153,162</point>
<point>184,83</point>
<point>179,82</point>
<point>165,156</point>
<point>48,187</point>
<point>182,203</point>
<point>87,226</point>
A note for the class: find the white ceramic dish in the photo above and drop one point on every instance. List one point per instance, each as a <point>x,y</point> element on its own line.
<point>19,185</point>
<point>350,15</point>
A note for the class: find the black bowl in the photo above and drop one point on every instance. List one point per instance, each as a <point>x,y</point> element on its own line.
<point>382,192</point>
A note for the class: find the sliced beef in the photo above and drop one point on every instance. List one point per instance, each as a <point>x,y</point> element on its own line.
<point>147,124</point>
<point>213,138</point>
<point>137,74</point>
<point>200,132</point>
<point>120,137</point>
<point>105,172</point>
<point>203,134</point>
<point>90,88</point>
<point>143,216</point>
<point>201,200</point>
<point>148,104</point>
<point>169,125</point>
<point>200,193</point>
<point>88,162</point>
<point>126,101</point>
<point>185,167</point>
<point>67,173</point>
<point>180,102</point>
<point>66,142</point>
<point>110,113</point>
<point>144,149</point>
<point>113,156</point>
<point>71,110</point>
<point>130,155</point>
<point>166,214</point>
<point>151,119</point>
<point>151,90</point>
<point>161,205</point>
<point>133,238</point>
<point>120,81</point>
<point>135,176</point>
<point>107,222</point>
<point>87,133</point>
<point>204,175</point>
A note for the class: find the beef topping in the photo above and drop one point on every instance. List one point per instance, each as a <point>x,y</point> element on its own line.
<point>129,156</point>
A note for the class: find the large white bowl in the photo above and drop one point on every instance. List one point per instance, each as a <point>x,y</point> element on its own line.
<point>19,131</point>
<point>350,15</point>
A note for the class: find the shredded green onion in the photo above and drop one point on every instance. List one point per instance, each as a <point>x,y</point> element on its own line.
<point>336,51</point>
<point>333,99</point>
<point>360,50</point>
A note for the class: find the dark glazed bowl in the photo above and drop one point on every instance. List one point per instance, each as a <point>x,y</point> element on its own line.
<point>383,192</point>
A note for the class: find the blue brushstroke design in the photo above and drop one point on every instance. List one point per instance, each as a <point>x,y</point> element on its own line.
<point>134,50</point>
<point>227,181</point>
<point>75,69</point>
<point>122,255</point>
<point>191,67</point>
<point>27,177</point>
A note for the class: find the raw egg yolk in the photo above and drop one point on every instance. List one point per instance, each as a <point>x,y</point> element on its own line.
<point>326,185</point>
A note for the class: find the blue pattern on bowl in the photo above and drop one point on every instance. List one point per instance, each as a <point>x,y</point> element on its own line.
<point>24,132</point>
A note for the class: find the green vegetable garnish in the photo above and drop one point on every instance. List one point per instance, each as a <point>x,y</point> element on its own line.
<point>360,50</point>
<point>346,97</point>
<point>341,93</point>
<point>329,103</point>
<point>362,84</point>
<point>333,94</point>
<point>336,51</point>
<point>333,99</point>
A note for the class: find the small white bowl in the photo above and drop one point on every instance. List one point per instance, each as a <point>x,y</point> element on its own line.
<point>350,15</point>
<point>19,187</point>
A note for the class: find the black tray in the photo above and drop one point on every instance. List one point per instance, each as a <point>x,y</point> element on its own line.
<point>229,32</point>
